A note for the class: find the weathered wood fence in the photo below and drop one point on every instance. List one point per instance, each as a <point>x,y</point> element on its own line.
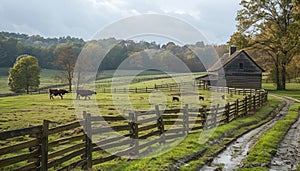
<point>92,140</point>
<point>177,87</point>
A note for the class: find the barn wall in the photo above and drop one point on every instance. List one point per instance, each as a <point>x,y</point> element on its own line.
<point>244,81</point>
<point>248,77</point>
<point>249,66</point>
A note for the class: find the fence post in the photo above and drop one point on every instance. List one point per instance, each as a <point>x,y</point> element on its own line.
<point>88,140</point>
<point>216,115</point>
<point>227,110</point>
<point>245,105</point>
<point>160,125</point>
<point>249,102</point>
<point>259,99</point>
<point>44,146</point>
<point>134,134</point>
<point>236,108</point>
<point>254,102</point>
<point>204,117</point>
<point>135,90</point>
<point>186,119</point>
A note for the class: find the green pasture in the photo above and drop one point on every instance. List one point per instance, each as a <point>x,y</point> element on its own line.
<point>191,144</point>
<point>24,110</point>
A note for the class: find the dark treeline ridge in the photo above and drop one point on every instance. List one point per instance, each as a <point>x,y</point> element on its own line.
<point>44,49</point>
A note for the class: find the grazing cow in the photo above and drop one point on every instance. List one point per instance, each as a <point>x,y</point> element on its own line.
<point>57,92</point>
<point>223,97</point>
<point>201,98</point>
<point>84,93</point>
<point>175,99</point>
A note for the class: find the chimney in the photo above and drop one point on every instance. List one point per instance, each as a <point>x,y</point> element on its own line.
<point>232,49</point>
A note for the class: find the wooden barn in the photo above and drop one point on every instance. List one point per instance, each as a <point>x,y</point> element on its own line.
<point>239,71</point>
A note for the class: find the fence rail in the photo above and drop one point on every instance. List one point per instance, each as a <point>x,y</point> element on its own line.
<point>91,141</point>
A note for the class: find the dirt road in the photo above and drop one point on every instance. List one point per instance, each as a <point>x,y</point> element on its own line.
<point>232,156</point>
<point>287,156</point>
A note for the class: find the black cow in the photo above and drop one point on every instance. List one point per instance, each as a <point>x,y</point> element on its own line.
<point>57,92</point>
<point>84,93</point>
<point>223,97</point>
<point>201,98</point>
<point>175,99</point>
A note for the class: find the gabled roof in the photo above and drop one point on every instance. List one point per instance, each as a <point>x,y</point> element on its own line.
<point>208,77</point>
<point>226,59</point>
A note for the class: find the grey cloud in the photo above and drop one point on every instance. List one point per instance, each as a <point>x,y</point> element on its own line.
<point>83,18</point>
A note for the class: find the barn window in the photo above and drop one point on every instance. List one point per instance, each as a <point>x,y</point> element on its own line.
<point>241,66</point>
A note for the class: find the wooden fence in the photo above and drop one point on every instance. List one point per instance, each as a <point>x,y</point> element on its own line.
<point>92,141</point>
<point>177,87</point>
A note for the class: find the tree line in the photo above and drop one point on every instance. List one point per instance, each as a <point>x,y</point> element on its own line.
<point>61,53</point>
<point>47,50</point>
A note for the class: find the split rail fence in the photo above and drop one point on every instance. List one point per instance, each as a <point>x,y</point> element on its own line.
<point>92,140</point>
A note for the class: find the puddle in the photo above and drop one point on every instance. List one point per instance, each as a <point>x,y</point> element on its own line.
<point>287,156</point>
<point>232,156</point>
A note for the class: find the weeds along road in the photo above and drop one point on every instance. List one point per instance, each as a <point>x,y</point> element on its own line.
<point>287,156</point>
<point>232,156</point>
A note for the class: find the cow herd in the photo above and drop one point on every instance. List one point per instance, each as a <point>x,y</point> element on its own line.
<point>88,93</point>
<point>79,93</point>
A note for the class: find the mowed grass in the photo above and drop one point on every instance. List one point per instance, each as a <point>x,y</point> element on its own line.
<point>25,110</point>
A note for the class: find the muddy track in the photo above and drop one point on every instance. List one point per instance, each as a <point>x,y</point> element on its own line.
<point>231,157</point>
<point>287,156</point>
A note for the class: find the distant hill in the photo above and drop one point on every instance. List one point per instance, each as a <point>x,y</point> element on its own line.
<point>14,44</point>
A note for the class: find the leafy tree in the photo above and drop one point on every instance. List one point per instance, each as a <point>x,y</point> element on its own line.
<point>66,60</point>
<point>273,28</point>
<point>25,74</point>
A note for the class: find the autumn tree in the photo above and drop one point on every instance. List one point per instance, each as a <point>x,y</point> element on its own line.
<point>67,56</point>
<point>24,75</point>
<point>271,26</point>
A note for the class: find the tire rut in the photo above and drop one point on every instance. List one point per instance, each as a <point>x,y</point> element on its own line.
<point>287,156</point>
<point>231,157</point>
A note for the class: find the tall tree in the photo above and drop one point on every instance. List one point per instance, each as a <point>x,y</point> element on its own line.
<point>272,26</point>
<point>25,74</point>
<point>67,57</point>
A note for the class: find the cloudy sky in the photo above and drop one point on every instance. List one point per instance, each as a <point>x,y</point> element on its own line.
<point>215,19</point>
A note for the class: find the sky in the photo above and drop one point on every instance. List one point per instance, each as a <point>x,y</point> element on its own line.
<point>215,19</point>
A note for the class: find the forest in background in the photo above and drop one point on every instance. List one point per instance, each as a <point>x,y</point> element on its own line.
<point>46,50</point>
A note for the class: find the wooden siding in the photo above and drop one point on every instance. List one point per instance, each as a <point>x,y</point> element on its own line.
<point>250,76</point>
<point>244,81</point>
<point>248,65</point>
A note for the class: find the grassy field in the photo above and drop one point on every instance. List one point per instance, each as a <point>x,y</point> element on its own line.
<point>22,111</point>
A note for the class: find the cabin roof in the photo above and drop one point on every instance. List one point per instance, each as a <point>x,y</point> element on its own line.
<point>226,59</point>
